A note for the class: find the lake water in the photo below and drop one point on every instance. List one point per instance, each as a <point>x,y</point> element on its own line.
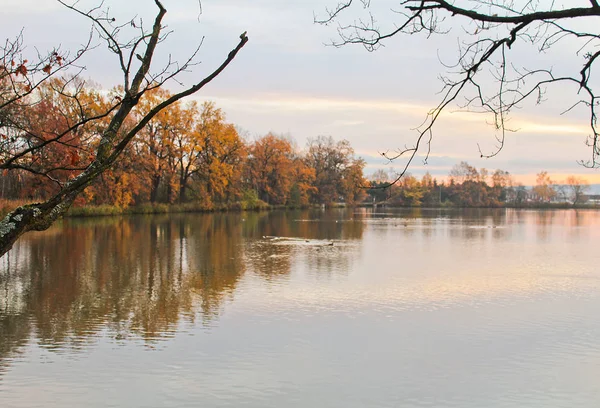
<point>407,308</point>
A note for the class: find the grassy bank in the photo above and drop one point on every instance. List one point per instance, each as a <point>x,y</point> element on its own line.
<point>7,206</point>
<point>106,210</point>
<point>194,207</point>
<point>110,210</point>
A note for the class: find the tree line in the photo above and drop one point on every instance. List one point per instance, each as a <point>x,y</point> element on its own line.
<point>187,153</point>
<point>466,186</point>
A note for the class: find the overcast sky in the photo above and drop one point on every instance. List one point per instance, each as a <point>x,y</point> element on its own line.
<point>287,81</point>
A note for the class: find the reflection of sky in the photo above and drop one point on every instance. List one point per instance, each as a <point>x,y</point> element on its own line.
<point>286,81</point>
<point>437,263</point>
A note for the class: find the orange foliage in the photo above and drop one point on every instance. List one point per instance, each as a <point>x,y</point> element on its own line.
<point>270,168</point>
<point>186,152</point>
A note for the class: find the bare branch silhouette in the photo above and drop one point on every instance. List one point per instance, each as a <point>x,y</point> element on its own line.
<point>91,139</point>
<point>490,29</point>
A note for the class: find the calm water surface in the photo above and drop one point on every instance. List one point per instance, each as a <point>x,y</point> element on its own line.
<point>423,308</point>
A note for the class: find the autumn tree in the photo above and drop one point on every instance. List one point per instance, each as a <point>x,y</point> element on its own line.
<point>124,184</point>
<point>333,162</point>
<point>134,48</point>
<point>218,162</point>
<point>353,182</point>
<point>487,75</point>
<point>502,184</point>
<point>303,183</point>
<point>43,126</point>
<point>543,190</point>
<point>379,181</point>
<point>462,190</point>
<point>155,144</point>
<point>468,186</point>
<point>432,191</point>
<point>270,168</point>
<point>183,153</point>
<point>459,173</point>
<point>409,191</point>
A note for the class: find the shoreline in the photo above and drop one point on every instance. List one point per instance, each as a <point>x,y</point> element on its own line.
<point>107,210</point>
<point>151,209</point>
<point>528,206</point>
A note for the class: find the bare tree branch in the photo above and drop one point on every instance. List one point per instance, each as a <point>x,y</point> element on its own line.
<point>113,135</point>
<point>499,24</point>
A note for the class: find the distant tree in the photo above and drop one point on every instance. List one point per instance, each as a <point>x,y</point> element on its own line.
<point>353,182</point>
<point>562,192</point>
<point>463,172</point>
<point>502,184</point>
<point>218,158</point>
<point>303,185</point>
<point>427,180</point>
<point>380,176</point>
<point>333,162</point>
<point>520,194</point>
<point>379,181</point>
<point>432,191</point>
<point>21,92</point>
<point>483,175</point>
<point>270,168</point>
<point>578,188</point>
<point>543,190</point>
<point>411,191</point>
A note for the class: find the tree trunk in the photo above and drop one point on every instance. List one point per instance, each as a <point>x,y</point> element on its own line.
<point>182,191</point>
<point>31,217</point>
<point>154,188</point>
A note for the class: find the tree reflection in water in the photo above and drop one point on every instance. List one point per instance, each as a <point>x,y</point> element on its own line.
<point>142,276</point>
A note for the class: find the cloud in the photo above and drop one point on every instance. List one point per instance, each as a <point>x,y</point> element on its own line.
<point>348,122</point>
<point>300,103</point>
<point>376,125</point>
<point>543,128</point>
<point>283,102</point>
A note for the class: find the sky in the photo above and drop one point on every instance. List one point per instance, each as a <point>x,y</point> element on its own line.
<point>286,80</point>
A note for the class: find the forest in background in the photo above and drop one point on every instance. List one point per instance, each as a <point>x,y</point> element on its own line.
<point>468,187</point>
<point>188,153</point>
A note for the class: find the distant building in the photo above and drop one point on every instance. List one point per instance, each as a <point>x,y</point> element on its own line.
<point>592,199</point>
